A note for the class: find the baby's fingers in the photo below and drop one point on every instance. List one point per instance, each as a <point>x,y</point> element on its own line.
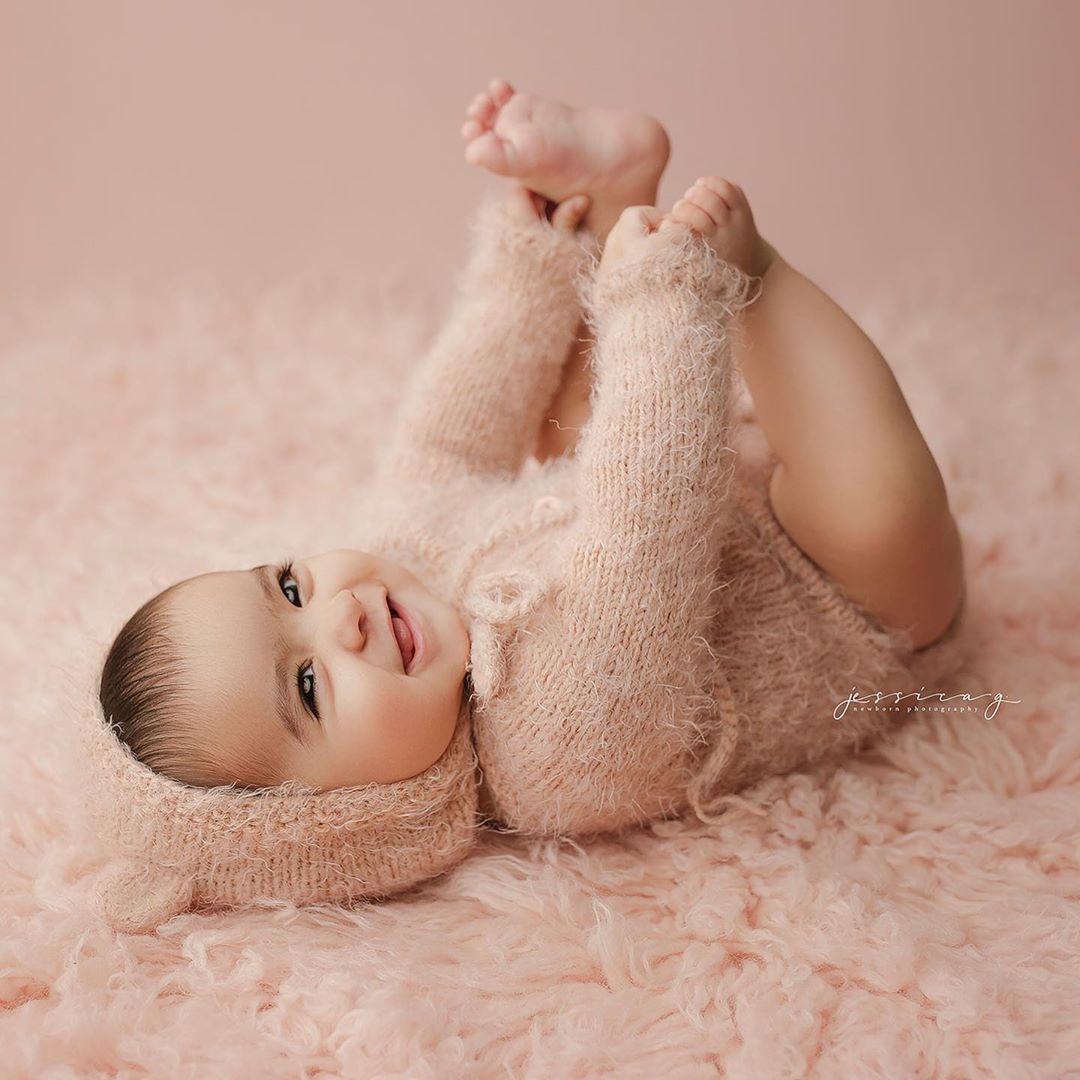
<point>569,214</point>
<point>524,204</point>
<point>641,220</point>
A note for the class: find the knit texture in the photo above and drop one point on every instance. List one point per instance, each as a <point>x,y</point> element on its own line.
<point>180,847</point>
<point>645,638</point>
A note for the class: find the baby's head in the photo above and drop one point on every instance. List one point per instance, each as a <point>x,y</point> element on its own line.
<point>293,672</point>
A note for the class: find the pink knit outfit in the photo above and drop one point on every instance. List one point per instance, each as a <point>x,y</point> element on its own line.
<point>645,637</point>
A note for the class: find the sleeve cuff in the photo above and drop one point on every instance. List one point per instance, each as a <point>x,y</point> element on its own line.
<point>686,277</point>
<point>508,250</point>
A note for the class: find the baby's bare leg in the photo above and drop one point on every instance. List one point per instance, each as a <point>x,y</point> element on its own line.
<point>857,487</point>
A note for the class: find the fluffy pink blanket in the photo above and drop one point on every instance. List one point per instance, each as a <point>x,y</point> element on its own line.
<point>915,913</point>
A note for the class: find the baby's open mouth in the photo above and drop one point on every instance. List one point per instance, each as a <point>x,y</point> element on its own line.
<point>403,634</point>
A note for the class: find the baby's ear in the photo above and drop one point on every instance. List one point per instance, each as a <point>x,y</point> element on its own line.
<point>136,899</point>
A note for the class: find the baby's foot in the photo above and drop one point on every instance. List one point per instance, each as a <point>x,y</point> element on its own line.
<point>718,210</point>
<point>558,150</point>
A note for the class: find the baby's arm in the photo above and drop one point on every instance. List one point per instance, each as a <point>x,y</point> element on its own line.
<point>479,395</point>
<point>625,642</point>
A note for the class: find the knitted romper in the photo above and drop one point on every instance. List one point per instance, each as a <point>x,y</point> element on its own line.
<point>645,637</point>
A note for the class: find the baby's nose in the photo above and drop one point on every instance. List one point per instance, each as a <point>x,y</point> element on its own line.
<point>350,620</point>
<point>360,621</point>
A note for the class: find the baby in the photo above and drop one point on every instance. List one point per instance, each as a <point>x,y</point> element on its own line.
<point>625,622</point>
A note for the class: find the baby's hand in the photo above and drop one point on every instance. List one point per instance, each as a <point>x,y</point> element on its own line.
<point>640,230</point>
<point>528,207</point>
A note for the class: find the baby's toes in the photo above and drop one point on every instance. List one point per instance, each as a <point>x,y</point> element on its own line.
<point>483,108</point>
<point>491,152</point>
<point>731,194</point>
<point>479,116</point>
<point>500,91</point>
<point>709,200</point>
<point>686,211</point>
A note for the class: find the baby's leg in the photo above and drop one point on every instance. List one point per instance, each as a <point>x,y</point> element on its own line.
<point>614,156</point>
<point>856,487</point>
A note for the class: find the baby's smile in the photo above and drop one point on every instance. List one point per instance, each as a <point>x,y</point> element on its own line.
<point>298,671</point>
<point>409,639</point>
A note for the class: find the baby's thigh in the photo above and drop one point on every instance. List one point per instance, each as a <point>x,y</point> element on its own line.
<point>901,560</point>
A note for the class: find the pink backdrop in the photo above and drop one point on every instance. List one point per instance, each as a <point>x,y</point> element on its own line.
<point>218,141</point>
<point>917,907</point>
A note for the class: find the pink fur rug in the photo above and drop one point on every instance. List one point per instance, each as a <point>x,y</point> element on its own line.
<point>915,913</point>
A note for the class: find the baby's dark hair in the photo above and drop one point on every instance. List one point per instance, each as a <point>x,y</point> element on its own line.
<point>144,693</point>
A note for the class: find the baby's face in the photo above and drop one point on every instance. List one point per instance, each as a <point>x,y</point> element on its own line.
<point>301,669</point>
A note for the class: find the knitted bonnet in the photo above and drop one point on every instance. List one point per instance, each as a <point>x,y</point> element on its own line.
<point>176,847</point>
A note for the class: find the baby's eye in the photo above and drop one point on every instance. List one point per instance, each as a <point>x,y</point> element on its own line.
<point>283,580</point>
<point>305,679</point>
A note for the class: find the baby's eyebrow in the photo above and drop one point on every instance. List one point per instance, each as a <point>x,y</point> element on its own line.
<point>285,713</point>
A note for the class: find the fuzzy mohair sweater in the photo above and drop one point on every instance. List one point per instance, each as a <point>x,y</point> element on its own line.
<point>645,637</point>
